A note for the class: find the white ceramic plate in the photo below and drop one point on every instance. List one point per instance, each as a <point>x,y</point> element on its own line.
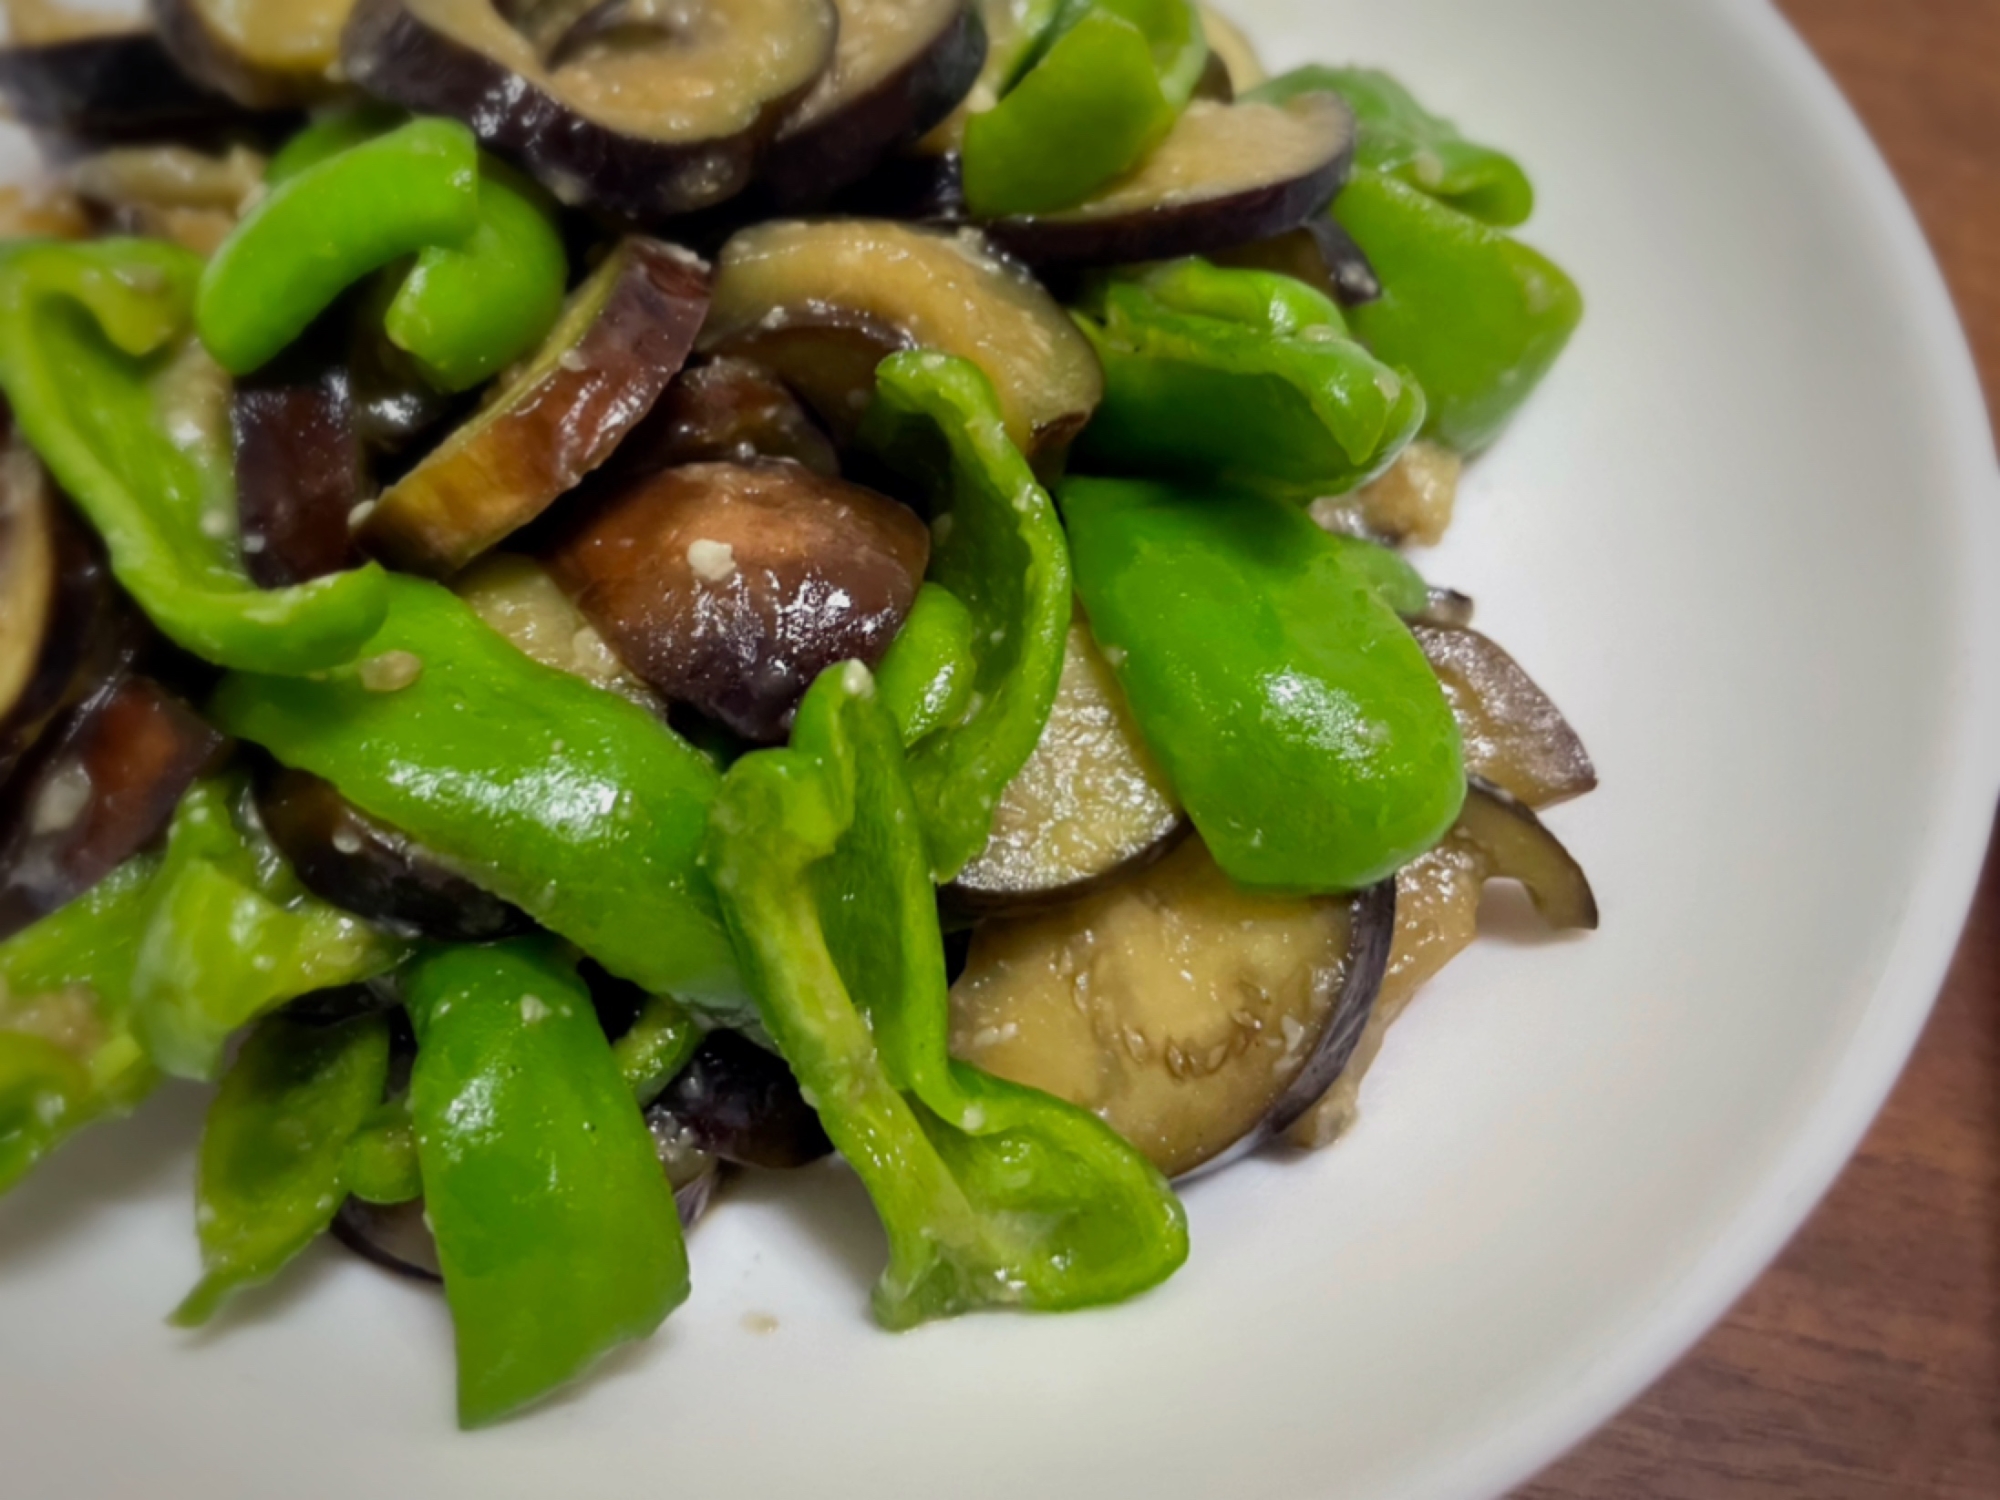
<point>1747,536</point>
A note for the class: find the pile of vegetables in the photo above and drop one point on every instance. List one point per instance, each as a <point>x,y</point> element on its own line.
<point>598,593</point>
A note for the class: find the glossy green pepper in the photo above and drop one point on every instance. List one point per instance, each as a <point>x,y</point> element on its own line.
<point>380,1165</point>
<point>1291,709</point>
<point>577,806</point>
<point>1109,80</point>
<point>555,1226</point>
<point>324,228</point>
<point>1244,379</point>
<point>657,1047</point>
<point>1399,137</point>
<point>1385,570</point>
<point>68,1055</point>
<point>1477,316</point>
<point>999,550</point>
<point>128,418</point>
<point>926,676</point>
<point>991,1193</point>
<point>230,935</point>
<point>274,1153</point>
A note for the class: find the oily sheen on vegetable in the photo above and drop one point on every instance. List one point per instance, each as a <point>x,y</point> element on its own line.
<point>602,597</point>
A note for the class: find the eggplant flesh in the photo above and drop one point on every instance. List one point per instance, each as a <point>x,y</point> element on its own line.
<point>170,191</point>
<point>520,599</point>
<point>1090,806</point>
<point>363,866</point>
<point>300,471</point>
<point>264,54</point>
<point>1515,737</point>
<point>1410,502</point>
<point>739,1102</point>
<point>641,120</point>
<point>1186,1012</point>
<point>1226,175</point>
<point>821,303</point>
<point>1437,917</point>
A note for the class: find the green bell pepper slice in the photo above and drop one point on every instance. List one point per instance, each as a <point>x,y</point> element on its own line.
<point>68,1055</point>
<point>992,1194</point>
<point>380,1164</point>
<point>579,807</point>
<point>328,135</point>
<point>927,673</point>
<point>1385,570</point>
<point>110,400</point>
<point>1476,316</point>
<point>465,312</point>
<point>1110,79</point>
<point>658,1046</point>
<point>324,228</point>
<point>999,549</point>
<point>273,1168</point>
<point>230,935</point>
<point>1292,710</point>
<point>555,1226</point>
<point>1262,389</point>
<point>1399,137</point>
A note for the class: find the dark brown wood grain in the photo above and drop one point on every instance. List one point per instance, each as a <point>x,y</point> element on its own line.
<point>1865,1365</point>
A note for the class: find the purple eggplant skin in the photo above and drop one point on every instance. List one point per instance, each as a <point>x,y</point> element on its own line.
<point>102,786</point>
<point>1374,933</point>
<point>123,86</point>
<point>739,1102</point>
<point>808,164</point>
<point>299,472</point>
<point>921,187</point>
<point>723,410</point>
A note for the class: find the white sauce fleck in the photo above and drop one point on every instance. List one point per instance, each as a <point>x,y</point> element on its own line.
<point>711,561</point>
<point>533,1009</point>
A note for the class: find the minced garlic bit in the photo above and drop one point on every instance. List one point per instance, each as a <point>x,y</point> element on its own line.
<point>62,800</point>
<point>391,672</point>
<point>533,1008</point>
<point>712,561</point>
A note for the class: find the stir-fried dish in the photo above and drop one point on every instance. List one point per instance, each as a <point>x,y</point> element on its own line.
<point>598,594</point>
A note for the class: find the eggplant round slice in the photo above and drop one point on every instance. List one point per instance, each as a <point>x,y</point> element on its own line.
<point>624,334</point>
<point>1089,807</point>
<point>1226,175</point>
<point>646,117</point>
<point>1515,737</point>
<point>363,866</point>
<point>1437,918</point>
<point>726,411</point>
<point>117,86</point>
<point>520,599</point>
<point>822,303</point>
<point>264,54</point>
<point>900,66</point>
<point>737,1101</point>
<point>1187,1013</point>
<point>731,587</point>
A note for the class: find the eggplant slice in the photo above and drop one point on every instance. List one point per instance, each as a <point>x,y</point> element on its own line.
<point>1226,175</point>
<point>821,303</point>
<point>726,411</point>
<point>264,54</point>
<point>1437,917</point>
<point>643,117</point>
<point>737,1101</point>
<point>730,587</point>
<point>520,599</point>
<point>171,192</point>
<point>1195,1018</point>
<point>625,333</point>
<point>1321,254</point>
<point>116,86</point>
<point>900,66</point>
<point>362,865</point>
<point>300,469</point>
<point>1090,807</point>
<point>1412,502</point>
<point>1515,737</point>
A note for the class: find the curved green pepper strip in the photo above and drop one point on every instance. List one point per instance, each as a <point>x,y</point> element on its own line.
<point>1399,137</point>
<point>1257,402</point>
<point>1386,571</point>
<point>926,676</point>
<point>1291,709</point>
<point>1264,300</point>
<point>991,1193</point>
<point>466,312</point>
<point>89,362</point>
<point>274,1151</point>
<point>230,935</point>
<point>572,803</point>
<point>999,549</point>
<point>1477,316</point>
<point>555,1227</point>
<point>380,1165</point>
<point>1114,77</point>
<point>68,1056</point>
<point>656,1048</point>
<point>322,230</point>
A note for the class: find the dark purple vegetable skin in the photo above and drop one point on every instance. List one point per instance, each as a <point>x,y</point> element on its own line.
<point>725,410</point>
<point>118,87</point>
<point>101,786</point>
<point>360,865</point>
<point>737,1101</point>
<point>807,166</point>
<point>1374,932</point>
<point>1321,254</point>
<point>299,470</point>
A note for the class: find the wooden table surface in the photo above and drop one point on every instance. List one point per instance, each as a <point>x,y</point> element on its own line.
<point>1865,1365</point>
